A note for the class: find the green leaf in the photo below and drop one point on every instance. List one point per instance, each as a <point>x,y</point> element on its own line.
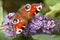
<point>1,13</point>
<point>46,37</point>
<point>55,7</point>
<point>23,38</point>
<point>54,11</point>
<point>51,2</point>
<point>3,36</point>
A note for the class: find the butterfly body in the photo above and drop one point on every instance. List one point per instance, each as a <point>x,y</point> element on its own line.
<point>23,16</point>
<point>18,22</point>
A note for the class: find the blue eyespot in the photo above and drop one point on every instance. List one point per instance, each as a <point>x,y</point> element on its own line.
<point>27,7</point>
<point>14,21</point>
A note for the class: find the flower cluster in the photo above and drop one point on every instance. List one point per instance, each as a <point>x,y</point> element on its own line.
<point>58,25</point>
<point>37,23</point>
<point>40,22</point>
<point>8,25</point>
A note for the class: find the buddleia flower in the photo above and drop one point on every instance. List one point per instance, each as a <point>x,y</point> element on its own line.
<point>41,23</point>
<point>8,25</point>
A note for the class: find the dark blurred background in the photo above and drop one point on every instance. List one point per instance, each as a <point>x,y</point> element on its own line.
<point>14,5</point>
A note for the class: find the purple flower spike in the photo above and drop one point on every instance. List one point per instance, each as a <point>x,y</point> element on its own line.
<point>40,17</point>
<point>10,33</point>
<point>58,25</point>
<point>40,22</point>
<point>8,25</point>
